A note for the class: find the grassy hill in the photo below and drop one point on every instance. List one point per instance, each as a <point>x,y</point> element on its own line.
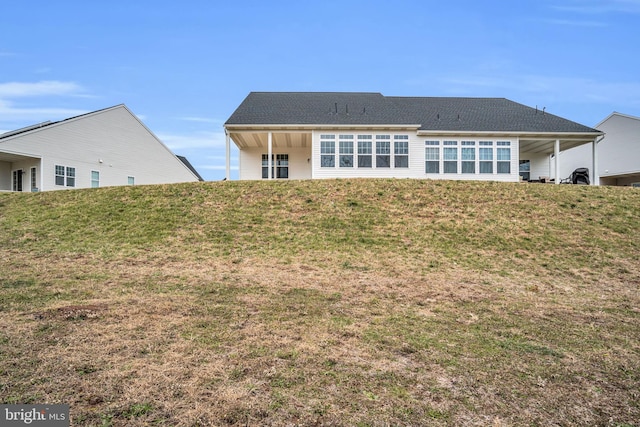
<point>340,302</point>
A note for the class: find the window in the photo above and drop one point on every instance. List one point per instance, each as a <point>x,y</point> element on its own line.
<point>95,179</point>
<point>327,151</point>
<point>468,156</point>
<point>364,151</point>
<point>525,170</point>
<point>346,151</point>
<point>432,157</point>
<point>383,151</point>
<point>279,169</point>
<point>503,155</point>
<point>65,175</point>
<point>450,157</point>
<point>34,179</point>
<point>401,151</point>
<point>131,180</point>
<point>486,156</point>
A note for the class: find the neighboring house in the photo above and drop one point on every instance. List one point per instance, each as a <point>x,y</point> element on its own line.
<point>339,135</point>
<point>618,155</point>
<point>103,148</point>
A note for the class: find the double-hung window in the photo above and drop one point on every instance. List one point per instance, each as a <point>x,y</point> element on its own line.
<point>327,151</point>
<point>346,151</point>
<point>65,176</point>
<point>468,156</point>
<point>432,156</point>
<point>401,151</point>
<point>450,157</point>
<point>486,156</point>
<point>383,151</point>
<point>364,151</point>
<point>503,156</point>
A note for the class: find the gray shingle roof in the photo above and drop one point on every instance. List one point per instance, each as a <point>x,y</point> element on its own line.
<point>429,113</point>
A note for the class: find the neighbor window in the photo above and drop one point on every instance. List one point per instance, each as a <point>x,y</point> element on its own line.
<point>383,151</point>
<point>432,157</point>
<point>34,179</point>
<point>95,179</point>
<point>401,151</point>
<point>346,151</point>
<point>131,180</point>
<point>327,151</point>
<point>364,151</point>
<point>65,175</point>
<point>450,157</point>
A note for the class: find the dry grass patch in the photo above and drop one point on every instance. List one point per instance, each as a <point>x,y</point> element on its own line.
<point>324,303</point>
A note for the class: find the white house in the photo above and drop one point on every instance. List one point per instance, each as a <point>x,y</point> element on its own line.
<point>103,148</point>
<point>313,135</point>
<point>618,156</point>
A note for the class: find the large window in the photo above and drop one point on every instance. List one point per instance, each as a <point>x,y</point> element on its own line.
<point>468,156</point>
<point>503,156</point>
<point>383,151</point>
<point>486,156</point>
<point>279,168</point>
<point>401,151</point>
<point>346,151</point>
<point>65,176</point>
<point>450,157</point>
<point>432,157</point>
<point>364,151</point>
<point>327,151</point>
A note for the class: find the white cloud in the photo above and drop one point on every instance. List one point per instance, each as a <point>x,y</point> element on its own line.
<point>194,140</point>
<point>11,114</point>
<point>594,7</point>
<point>201,120</point>
<point>13,90</point>
<point>575,23</point>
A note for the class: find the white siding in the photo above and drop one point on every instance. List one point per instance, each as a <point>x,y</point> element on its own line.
<point>113,142</point>
<point>619,151</point>
<point>5,176</point>
<point>539,165</point>
<point>299,162</point>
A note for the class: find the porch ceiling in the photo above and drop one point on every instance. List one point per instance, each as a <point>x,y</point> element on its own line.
<point>279,139</point>
<point>11,157</point>
<point>547,146</point>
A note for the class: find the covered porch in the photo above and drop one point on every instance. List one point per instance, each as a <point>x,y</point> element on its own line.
<point>271,153</point>
<point>19,172</point>
<point>539,155</point>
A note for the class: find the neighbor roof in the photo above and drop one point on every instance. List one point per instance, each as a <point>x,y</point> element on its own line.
<point>427,113</point>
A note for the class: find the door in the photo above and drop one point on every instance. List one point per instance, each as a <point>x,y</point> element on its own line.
<point>17,180</point>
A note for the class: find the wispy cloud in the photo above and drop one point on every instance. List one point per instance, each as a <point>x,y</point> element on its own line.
<point>593,7</point>
<point>10,113</point>
<point>193,140</point>
<point>14,90</point>
<point>575,23</point>
<point>201,120</point>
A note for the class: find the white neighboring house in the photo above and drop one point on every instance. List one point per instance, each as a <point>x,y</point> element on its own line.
<point>107,147</point>
<point>618,155</point>
<point>311,135</point>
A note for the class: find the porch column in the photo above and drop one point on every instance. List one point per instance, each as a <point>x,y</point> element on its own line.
<point>595,178</point>
<point>269,155</point>
<point>556,151</point>
<point>228,159</point>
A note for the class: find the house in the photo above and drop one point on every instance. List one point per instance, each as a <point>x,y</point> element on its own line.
<point>618,156</point>
<point>104,148</point>
<point>310,135</point>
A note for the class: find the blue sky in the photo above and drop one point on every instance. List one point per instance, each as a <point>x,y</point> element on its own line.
<point>183,67</point>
